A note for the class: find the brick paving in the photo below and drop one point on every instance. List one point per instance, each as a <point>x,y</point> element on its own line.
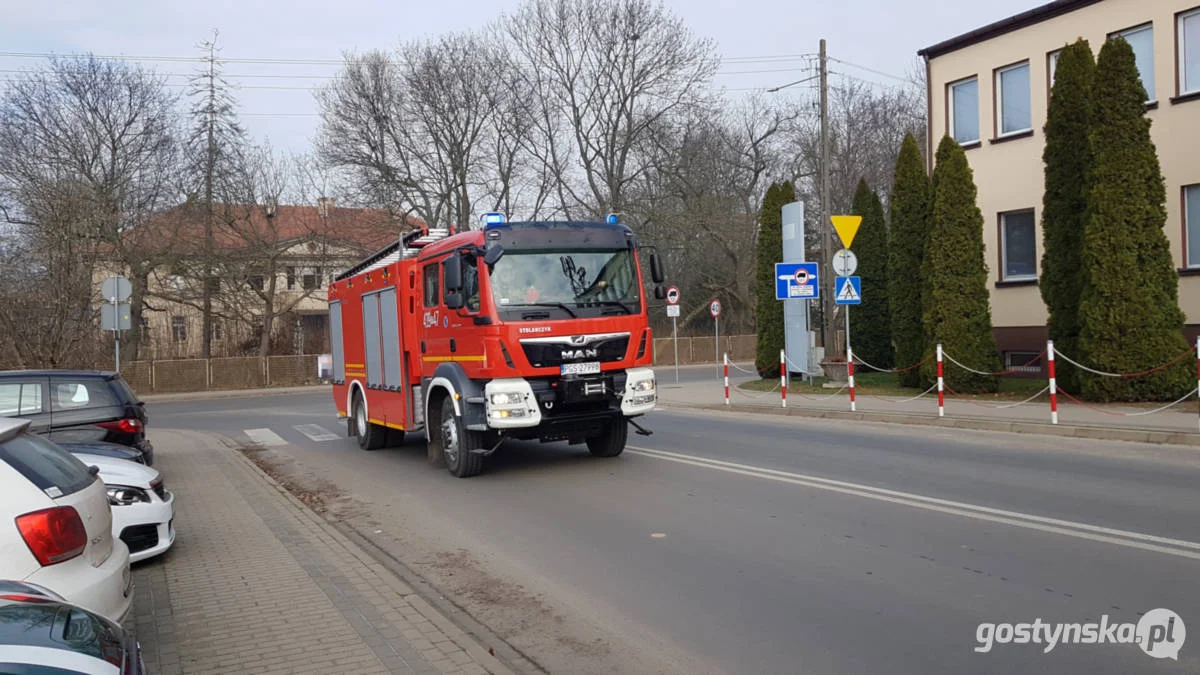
<point>258,583</point>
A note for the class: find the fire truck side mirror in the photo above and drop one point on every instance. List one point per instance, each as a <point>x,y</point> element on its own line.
<point>656,269</point>
<point>452,270</point>
<point>660,292</point>
<point>493,254</point>
<point>454,300</point>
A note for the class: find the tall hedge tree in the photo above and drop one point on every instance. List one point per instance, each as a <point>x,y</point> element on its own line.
<point>1129,313</point>
<point>910,215</point>
<point>1068,158</point>
<point>768,312</point>
<point>871,322</point>
<point>958,314</point>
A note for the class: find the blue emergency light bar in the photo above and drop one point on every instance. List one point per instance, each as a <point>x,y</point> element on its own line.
<point>494,218</point>
<point>612,219</point>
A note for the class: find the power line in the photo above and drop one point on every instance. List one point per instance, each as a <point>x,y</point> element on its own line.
<point>872,70</point>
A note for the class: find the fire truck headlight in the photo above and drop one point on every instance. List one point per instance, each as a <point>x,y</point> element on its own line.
<point>507,398</point>
<point>642,385</point>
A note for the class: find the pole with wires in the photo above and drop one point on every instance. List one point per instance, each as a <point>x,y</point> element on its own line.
<point>941,383</point>
<point>1053,382</point>
<point>783,376</point>
<point>727,378</point>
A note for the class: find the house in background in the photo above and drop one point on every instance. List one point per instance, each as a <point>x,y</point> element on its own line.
<point>268,261</point>
<point>989,89</point>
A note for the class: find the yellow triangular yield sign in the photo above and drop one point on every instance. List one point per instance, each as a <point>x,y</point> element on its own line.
<point>847,227</point>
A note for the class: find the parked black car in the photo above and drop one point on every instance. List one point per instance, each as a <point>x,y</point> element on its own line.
<point>43,634</point>
<point>114,450</point>
<point>77,406</point>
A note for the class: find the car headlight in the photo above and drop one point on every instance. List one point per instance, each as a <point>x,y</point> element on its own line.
<point>124,495</point>
<point>507,398</point>
<point>642,385</point>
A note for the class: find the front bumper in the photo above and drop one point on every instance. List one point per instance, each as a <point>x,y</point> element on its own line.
<point>148,529</point>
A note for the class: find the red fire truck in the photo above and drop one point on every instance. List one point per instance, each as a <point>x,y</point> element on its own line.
<point>524,330</point>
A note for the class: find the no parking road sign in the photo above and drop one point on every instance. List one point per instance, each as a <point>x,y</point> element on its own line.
<point>797,281</point>
<point>673,295</point>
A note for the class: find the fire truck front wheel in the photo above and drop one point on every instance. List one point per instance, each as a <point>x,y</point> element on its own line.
<point>459,443</point>
<point>370,436</point>
<point>612,442</point>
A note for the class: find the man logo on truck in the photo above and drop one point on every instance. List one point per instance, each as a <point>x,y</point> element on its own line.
<point>569,354</point>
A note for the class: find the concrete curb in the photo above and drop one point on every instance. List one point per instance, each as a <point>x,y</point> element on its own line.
<point>1160,437</point>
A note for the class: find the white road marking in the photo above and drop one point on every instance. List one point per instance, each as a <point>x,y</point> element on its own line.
<point>264,437</point>
<point>1147,542</point>
<point>316,432</point>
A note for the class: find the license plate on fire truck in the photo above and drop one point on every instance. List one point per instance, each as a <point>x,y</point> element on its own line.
<point>589,368</point>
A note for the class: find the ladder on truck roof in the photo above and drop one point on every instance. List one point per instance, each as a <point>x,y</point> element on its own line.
<point>408,245</point>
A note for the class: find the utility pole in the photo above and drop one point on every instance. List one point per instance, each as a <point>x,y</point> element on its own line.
<point>209,162</point>
<point>827,305</point>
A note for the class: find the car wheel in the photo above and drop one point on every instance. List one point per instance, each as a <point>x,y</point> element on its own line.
<point>612,442</point>
<point>458,444</point>
<point>370,436</point>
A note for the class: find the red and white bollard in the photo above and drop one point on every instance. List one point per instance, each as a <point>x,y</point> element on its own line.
<point>941,384</point>
<point>783,376</point>
<point>727,378</point>
<point>1198,366</point>
<point>850,374</point>
<point>1053,382</point>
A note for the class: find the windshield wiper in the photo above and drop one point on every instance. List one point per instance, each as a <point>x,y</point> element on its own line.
<point>609,303</point>
<point>550,304</point>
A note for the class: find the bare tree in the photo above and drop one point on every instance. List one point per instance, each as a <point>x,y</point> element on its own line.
<point>608,72</point>
<point>87,152</point>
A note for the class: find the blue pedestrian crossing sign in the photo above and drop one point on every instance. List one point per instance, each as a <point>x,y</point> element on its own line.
<point>848,291</point>
<point>797,281</point>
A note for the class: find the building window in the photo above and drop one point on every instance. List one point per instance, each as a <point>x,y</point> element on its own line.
<point>1142,41</point>
<point>144,325</point>
<point>1051,68</point>
<point>291,278</point>
<point>311,281</point>
<point>256,282</point>
<point>964,110</point>
<point>218,332</point>
<point>1191,223</point>
<point>179,328</point>
<point>1023,362</point>
<point>1012,99</point>
<point>1018,246</point>
<point>1189,51</point>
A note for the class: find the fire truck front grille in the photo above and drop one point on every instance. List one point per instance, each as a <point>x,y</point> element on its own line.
<point>544,353</point>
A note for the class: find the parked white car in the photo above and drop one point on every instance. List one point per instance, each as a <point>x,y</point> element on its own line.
<point>143,512</point>
<point>56,525</point>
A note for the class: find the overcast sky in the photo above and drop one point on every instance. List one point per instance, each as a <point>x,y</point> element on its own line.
<point>276,99</point>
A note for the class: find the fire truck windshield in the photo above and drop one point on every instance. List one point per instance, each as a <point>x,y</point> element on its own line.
<point>566,284</point>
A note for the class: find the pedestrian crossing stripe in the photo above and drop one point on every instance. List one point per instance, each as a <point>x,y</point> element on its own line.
<point>847,292</point>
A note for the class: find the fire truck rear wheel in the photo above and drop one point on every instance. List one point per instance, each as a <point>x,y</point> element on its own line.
<point>370,436</point>
<point>612,442</point>
<point>458,442</point>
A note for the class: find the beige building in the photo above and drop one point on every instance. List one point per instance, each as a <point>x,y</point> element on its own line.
<point>989,89</point>
<point>286,253</point>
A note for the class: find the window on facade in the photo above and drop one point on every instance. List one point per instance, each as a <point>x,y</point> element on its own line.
<point>1023,362</point>
<point>964,110</point>
<point>1018,245</point>
<point>311,281</point>
<point>1012,99</point>
<point>1191,223</point>
<point>218,331</point>
<point>256,282</point>
<point>1142,41</point>
<point>1189,52</point>
<point>179,328</point>
<point>1052,66</point>
<point>431,285</point>
<point>291,278</point>
<point>145,328</point>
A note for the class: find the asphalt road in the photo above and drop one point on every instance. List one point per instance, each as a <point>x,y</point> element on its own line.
<point>771,545</point>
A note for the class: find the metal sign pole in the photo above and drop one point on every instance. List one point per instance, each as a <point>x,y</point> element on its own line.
<point>675,333</point>
<point>717,327</point>
<point>116,333</point>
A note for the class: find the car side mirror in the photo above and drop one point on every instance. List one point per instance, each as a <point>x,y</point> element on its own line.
<point>656,269</point>
<point>660,292</point>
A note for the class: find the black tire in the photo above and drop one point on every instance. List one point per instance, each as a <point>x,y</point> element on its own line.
<point>458,442</point>
<point>370,436</point>
<point>612,442</point>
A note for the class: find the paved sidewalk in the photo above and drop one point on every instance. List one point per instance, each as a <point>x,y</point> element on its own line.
<point>1180,424</point>
<point>258,583</point>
